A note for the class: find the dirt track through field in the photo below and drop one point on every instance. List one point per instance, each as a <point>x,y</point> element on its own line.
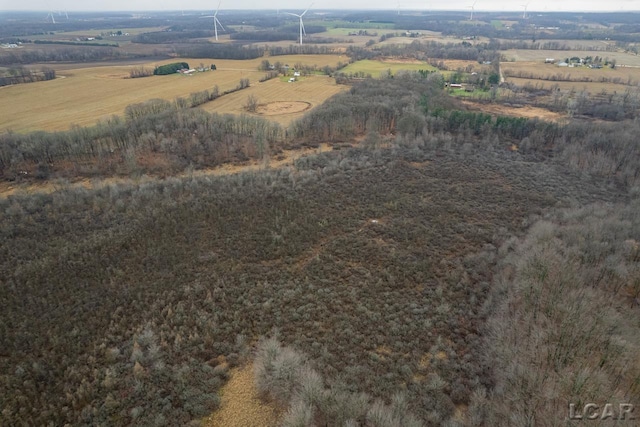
<point>286,158</point>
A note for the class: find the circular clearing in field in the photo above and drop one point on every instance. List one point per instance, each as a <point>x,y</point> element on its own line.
<point>282,107</point>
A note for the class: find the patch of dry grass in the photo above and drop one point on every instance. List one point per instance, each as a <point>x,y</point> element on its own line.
<point>241,406</point>
<point>590,87</point>
<point>526,111</point>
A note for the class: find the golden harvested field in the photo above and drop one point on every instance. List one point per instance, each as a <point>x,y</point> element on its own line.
<point>293,99</point>
<point>85,95</point>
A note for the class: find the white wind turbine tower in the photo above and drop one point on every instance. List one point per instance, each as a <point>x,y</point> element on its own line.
<point>301,24</point>
<point>53,19</point>
<point>524,14</point>
<point>472,7</point>
<point>216,22</point>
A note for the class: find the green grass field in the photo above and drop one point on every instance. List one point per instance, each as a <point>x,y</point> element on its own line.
<point>374,68</point>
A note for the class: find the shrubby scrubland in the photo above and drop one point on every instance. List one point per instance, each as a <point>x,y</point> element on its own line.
<point>450,260</point>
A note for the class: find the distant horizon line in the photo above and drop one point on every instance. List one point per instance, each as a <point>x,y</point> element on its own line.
<point>320,9</point>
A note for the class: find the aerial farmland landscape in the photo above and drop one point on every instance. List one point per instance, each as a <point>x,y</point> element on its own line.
<point>383,215</point>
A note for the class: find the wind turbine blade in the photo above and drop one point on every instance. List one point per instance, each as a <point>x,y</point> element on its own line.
<point>306,9</point>
<point>292,14</point>
<point>302,25</point>
<point>219,23</point>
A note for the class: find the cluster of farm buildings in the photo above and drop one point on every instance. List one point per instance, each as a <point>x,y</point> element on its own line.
<point>578,62</point>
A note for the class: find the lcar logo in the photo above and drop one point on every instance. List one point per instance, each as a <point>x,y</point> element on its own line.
<point>608,411</point>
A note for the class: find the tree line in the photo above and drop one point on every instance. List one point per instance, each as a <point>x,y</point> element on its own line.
<point>17,75</point>
<point>78,54</point>
<point>409,104</point>
<point>160,37</point>
<point>290,32</point>
<point>72,43</point>
<point>174,130</point>
<point>219,51</point>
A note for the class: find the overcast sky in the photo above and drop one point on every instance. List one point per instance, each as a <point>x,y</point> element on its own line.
<point>533,5</point>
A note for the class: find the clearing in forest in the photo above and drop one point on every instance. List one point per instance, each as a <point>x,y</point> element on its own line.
<point>527,111</point>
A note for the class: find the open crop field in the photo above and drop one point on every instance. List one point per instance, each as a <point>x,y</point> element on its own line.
<point>279,101</point>
<point>375,67</point>
<point>85,95</point>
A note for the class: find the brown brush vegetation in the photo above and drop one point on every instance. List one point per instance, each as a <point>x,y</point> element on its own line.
<point>128,304</point>
<point>138,290</point>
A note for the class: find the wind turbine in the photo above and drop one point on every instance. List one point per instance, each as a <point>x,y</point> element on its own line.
<point>53,19</point>
<point>301,24</point>
<point>524,14</point>
<point>216,22</point>
<point>472,9</point>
